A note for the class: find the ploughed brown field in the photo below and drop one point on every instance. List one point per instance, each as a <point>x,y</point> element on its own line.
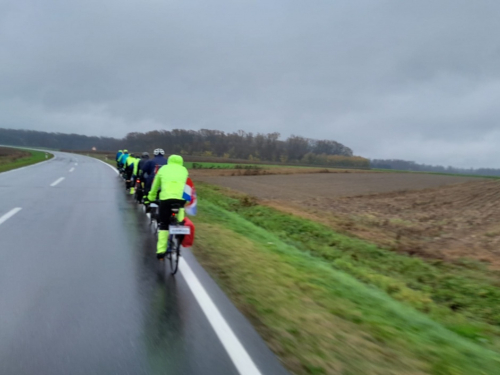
<point>298,187</point>
<point>201,174</point>
<point>432,216</point>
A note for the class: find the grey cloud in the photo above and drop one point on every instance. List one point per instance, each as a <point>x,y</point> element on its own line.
<point>413,80</point>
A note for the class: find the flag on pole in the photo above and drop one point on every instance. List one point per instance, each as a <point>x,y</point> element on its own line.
<point>190,196</point>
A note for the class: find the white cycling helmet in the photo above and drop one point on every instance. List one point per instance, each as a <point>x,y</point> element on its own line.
<point>159,151</point>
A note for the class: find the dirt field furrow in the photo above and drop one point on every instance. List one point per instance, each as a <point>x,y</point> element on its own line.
<point>331,185</point>
<point>433,216</point>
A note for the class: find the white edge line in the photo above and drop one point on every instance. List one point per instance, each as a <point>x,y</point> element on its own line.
<point>241,359</point>
<point>9,214</point>
<point>56,182</point>
<point>113,168</point>
<point>72,169</point>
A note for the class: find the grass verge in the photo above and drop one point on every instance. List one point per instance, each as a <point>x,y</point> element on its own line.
<point>17,158</point>
<point>330,304</point>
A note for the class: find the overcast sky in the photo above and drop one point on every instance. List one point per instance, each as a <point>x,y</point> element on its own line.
<point>416,80</point>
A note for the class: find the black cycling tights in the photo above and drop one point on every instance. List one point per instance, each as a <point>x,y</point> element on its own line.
<point>166,211</point>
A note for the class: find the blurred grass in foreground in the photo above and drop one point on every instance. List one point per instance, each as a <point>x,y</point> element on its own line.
<point>330,304</point>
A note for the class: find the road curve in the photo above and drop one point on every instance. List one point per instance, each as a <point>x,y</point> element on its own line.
<point>82,293</point>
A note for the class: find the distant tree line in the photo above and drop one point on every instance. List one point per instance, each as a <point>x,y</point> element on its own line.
<point>237,145</point>
<point>204,142</point>
<point>404,165</point>
<point>57,141</point>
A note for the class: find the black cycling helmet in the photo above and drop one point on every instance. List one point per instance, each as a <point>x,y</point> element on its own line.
<point>159,151</point>
<point>145,155</point>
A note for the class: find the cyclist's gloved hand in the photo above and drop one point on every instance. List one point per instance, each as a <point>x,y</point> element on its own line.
<point>146,200</point>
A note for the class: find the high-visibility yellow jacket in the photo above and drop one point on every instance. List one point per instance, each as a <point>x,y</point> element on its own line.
<point>129,161</point>
<point>136,166</point>
<point>171,179</point>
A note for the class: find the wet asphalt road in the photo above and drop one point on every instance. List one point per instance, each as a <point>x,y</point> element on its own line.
<point>81,291</point>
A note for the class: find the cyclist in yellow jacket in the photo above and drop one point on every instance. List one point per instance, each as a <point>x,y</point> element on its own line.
<point>171,179</point>
<point>129,171</point>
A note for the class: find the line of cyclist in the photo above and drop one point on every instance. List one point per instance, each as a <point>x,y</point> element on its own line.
<point>158,180</point>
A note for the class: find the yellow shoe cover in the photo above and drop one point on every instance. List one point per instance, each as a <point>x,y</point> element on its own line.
<point>161,246</point>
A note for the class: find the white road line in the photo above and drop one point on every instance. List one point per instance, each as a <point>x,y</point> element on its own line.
<point>9,214</point>
<point>233,346</point>
<point>59,180</point>
<point>113,168</point>
<point>72,169</point>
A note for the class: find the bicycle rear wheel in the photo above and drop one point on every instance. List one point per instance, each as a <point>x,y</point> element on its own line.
<point>174,254</point>
<point>153,214</point>
<point>138,196</point>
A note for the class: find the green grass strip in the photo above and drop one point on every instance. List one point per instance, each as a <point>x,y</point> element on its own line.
<point>464,297</point>
<point>35,157</point>
<point>390,322</point>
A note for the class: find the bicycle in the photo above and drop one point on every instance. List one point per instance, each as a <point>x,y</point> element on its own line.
<point>139,191</point>
<point>177,231</point>
<point>121,172</point>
